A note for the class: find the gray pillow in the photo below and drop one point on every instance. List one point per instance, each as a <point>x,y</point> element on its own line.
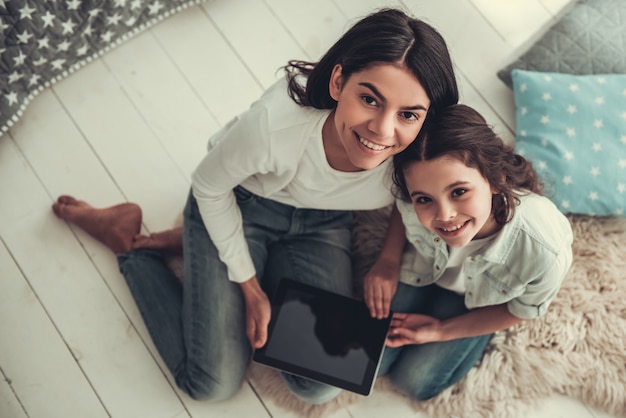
<point>41,41</point>
<point>590,38</point>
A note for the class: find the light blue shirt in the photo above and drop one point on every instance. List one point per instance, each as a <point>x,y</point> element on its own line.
<point>523,266</point>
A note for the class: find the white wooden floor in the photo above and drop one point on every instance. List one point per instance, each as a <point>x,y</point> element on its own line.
<point>131,126</point>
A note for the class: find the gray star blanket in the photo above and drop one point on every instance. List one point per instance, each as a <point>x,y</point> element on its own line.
<point>42,41</point>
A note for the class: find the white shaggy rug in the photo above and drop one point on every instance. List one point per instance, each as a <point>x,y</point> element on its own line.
<point>577,349</point>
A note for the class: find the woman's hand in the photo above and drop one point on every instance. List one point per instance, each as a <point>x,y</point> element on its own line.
<point>413,329</point>
<point>258,312</point>
<point>379,287</point>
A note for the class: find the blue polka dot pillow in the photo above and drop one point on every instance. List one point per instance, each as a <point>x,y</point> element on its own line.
<point>573,129</point>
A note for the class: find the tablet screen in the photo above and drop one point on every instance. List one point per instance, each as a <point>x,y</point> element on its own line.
<point>324,336</point>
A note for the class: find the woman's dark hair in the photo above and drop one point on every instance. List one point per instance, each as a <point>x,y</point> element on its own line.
<point>386,36</point>
<point>462,133</point>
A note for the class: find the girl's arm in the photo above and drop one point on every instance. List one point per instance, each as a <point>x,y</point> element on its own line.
<point>420,329</point>
<point>381,281</point>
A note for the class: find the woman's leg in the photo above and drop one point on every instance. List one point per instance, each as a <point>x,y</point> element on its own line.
<point>423,371</point>
<point>319,254</point>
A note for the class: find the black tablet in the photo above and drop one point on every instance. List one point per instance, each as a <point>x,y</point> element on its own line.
<point>324,336</point>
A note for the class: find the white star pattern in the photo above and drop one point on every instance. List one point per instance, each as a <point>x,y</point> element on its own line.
<point>11,97</point>
<point>523,88</point>
<point>15,76</point>
<point>34,79</point>
<point>155,7</point>
<point>27,12</point>
<point>42,42</point>
<point>48,19</point>
<point>107,36</point>
<point>64,46</point>
<point>24,37</point>
<point>68,26</point>
<point>73,4</point>
<point>581,141</point>
<point>114,20</point>
<point>20,59</point>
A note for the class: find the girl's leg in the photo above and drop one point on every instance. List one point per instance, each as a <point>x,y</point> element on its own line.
<point>423,371</point>
<point>319,253</point>
<point>407,299</point>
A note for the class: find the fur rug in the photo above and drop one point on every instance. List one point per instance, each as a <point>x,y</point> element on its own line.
<point>577,349</point>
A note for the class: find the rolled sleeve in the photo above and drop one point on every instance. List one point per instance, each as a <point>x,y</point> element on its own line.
<point>540,292</point>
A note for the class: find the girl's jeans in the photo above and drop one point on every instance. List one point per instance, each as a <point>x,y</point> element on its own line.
<point>423,371</point>
<point>199,327</point>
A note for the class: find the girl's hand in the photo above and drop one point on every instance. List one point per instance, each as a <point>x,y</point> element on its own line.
<point>258,312</point>
<point>379,287</point>
<point>413,329</point>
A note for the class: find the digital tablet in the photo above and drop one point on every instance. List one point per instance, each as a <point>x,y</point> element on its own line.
<point>324,336</point>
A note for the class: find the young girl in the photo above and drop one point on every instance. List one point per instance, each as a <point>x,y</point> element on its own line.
<point>273,199</point>
<point>486,252</point>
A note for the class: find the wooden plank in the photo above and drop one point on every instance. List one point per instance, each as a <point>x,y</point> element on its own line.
<point>81,306</point>
<point>180,121</point>
<point>10,407</point>
<point>270,47</point>
<point>207,61</point>
<point>34,357</point>
<point>56,171</point>
<point>125,144</point>
<point>514,20</point>
<point>357,9</point>
<point>315,25</point>
<point>477,57</point>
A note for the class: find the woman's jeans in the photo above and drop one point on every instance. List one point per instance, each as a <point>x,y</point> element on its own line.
<point>199,327</point>
<point>422,371</point>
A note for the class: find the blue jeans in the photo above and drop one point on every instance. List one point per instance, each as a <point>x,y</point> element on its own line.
<point>199,327</point>
<point>422,371</point>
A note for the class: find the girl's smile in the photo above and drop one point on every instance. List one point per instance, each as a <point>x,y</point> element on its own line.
<point>380,110</point>
<point>451,199</point>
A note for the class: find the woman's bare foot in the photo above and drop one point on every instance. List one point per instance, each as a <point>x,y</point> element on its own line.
<point>170,240</point>
<point>115,226</point>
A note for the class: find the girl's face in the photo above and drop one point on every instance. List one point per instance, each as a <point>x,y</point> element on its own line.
<point>379,112</point>
<point>451,199</point>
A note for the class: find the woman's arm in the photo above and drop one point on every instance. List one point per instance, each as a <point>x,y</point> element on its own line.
<point>258,312</point>
<point>420,329</point>
<point>381,281</point>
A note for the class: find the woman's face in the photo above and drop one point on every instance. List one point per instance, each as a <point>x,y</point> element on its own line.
<point>451,199</point>
<point>380,111</point>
